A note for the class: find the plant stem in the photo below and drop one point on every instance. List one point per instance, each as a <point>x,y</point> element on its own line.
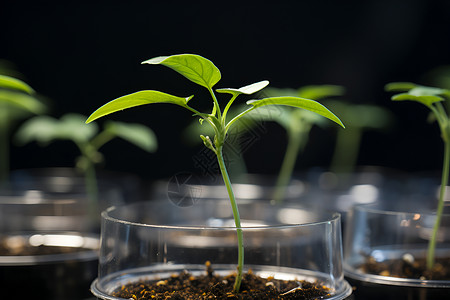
<point>440,208</point>
<point>90,179</point>
<point>346,150</point>
<point>237,219</point>
<point>297,139</point>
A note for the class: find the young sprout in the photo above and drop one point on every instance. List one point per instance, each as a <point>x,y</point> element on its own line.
<point>433,98</point>
<point>204,73</point>
<point>88,139</point>
<point>17,101</point>
<point>361,117</point>
<point>298,124</point>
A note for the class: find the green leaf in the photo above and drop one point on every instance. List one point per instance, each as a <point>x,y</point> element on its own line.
<point>362,115</point>
<point>137,134</point>
<point>399,86</point>
<point>320,91</point>
<point>194,67</point>
<point>426,100</point>
<point>45,129</point>
<point>136,99</point>
<point>15,84</point>
<point>248,89</point>
<point>426,91</point>
<point>23,101</point>
<point>307,104</point>
<point>309,91</point>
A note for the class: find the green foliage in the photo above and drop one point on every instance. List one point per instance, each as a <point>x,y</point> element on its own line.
<point>432,98</point>
<point>194,67</point>
<point>204,73</point>
<point>17,101</point>
<point>360,118</point>
<point>46,129</point>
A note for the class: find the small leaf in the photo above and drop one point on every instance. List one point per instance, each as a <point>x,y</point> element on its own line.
<point>320,91</point>
<point>426,91</point>
<point>194,67</point>
<point>44,129</point>
<point>307,104</point>
<point>248,89</point>
<point>136,99</point>
<point>23,101</point>
<point>426,100</point>
<point>137,134</point>
<point>15,84</point>
<point>399,86</point>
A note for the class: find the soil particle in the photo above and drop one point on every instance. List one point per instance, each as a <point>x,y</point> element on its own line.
<point>212,286</point>
<point>408,267</point>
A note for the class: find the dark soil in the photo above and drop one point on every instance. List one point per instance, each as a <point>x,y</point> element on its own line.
<point>408,267</point>
<point>212,286</point>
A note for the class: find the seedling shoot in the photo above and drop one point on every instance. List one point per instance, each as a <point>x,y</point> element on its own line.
<point>433,98</point>
<point>204,73</point>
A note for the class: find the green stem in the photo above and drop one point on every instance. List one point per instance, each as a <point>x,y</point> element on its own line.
<point>216,107</point>
<point>296,143</point>
<point>440,208</point>
<point>237,219</point>
<point>225,111</point>
<point>90,179</point>
<point>346,150</point>
<point>102,138</point>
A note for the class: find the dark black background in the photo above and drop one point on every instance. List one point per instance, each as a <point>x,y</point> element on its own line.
<point>83,54</point>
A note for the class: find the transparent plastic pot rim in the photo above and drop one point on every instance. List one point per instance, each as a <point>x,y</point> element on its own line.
<point>387,280</point>
<point>162,271</point>
<point>326,217</point>
<point>89,243</point>
<point>378,208</point>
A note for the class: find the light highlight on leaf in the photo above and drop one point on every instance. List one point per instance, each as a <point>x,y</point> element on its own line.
<point>248,89</point>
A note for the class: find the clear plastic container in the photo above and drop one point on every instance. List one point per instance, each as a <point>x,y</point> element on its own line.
<point>393,231</point>
<point>48,241</point>
<point>157,238</point>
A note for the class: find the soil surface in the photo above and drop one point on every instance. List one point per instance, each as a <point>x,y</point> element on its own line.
<point>409,267</point>
<point>212,286</point>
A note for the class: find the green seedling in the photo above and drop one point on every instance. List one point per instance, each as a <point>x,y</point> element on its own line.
<point>17,101</point>
<point>361,118</point>
<point>433,98</point>
<point>204,73</point>
<point>298,124</point>
<point>88,139</point>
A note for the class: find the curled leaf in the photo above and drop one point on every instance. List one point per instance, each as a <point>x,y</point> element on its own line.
<point>248,89</point>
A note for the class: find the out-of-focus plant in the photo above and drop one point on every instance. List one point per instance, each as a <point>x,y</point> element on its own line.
<point>359,118</point>
<point>297,123</point>
<point>88,139</point>
<point>435,99</point>
<point>17,102</point>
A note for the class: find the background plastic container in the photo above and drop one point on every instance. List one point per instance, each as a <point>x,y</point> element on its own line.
<point>382,232</point>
